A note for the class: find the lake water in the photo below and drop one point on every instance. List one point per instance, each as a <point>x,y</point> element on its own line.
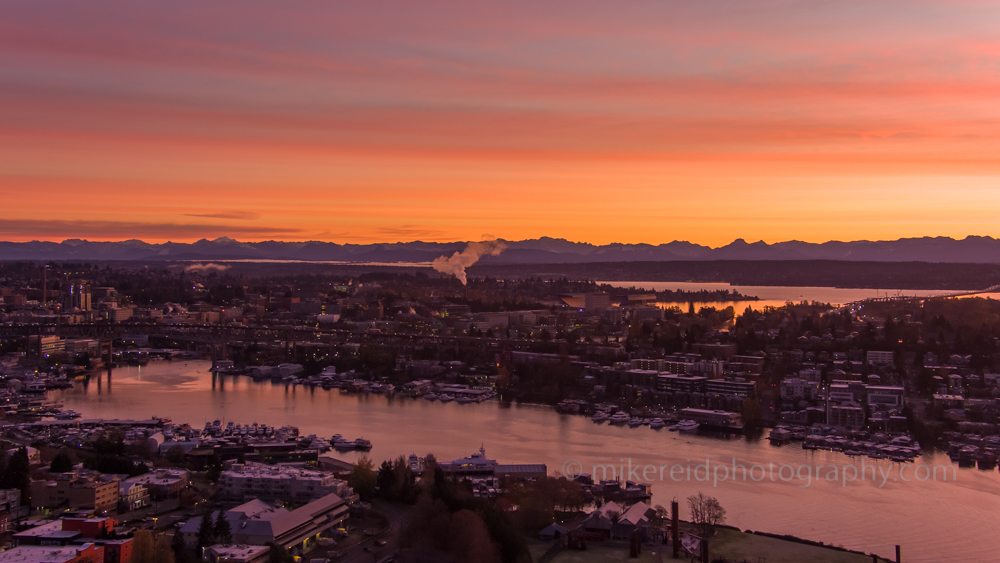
<point>774,296</point>
<point>934,520</point>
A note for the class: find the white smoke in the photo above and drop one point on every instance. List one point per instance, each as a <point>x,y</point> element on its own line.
<point>202,268</point>
<point>459,261</point>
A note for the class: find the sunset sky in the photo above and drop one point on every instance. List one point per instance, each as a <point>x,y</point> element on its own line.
<point>595,121</point>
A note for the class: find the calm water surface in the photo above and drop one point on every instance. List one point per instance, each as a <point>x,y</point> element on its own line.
<point>775,296</point>
<point>933,521</point>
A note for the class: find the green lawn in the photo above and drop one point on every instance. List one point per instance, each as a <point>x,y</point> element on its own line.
<point>733,545</point>
<point>737,546</point>
<point>597,552</point>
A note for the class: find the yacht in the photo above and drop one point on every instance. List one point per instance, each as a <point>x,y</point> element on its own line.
<point>619,418</point>
<point>341,443</point>
<point>634,422</point>
<point>362,444</point>
<point>463,400</point>
<point>444,398</point>
<point>657,423</point>
<point>686,426</point>
<point>599,416</point>
<point>430,396</point>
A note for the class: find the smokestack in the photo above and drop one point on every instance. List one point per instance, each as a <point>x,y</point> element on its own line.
<point>459,261</point>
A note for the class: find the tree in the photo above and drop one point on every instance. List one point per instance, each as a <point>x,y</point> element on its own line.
<point>143,549</point>
<point>471,539</point>
<point>706,513</point>
<point>363,478</point>
<point>162,550</point>
<point>180,550</point>
<point>223,531</point>
<point>175,455</point>
<point>278,554</point>
<point>61,463</point>
<point>18,474</point>
<point>206,533</point>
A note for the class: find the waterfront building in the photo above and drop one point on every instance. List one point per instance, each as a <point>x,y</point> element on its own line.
<point>478,465</point>
<point>243,482</point>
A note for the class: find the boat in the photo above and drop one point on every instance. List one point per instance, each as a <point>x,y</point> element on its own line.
<point>341,443</point>
<point>687,426</point>
<point>444,398</point>
<point>634,422</point>
<point>619,418</point>
<point>600,416</point>
<point>463,400</point>
<point>362,444</point>
<point>430,396</point>
<point>780,435</point>
<point>657,423</point>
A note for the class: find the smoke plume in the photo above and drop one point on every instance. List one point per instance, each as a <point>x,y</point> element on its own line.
<point>459,261</point>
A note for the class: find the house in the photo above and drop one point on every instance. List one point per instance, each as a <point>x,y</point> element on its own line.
<point>601,521</point>
<point>553,532</point>
<point>636,518</point>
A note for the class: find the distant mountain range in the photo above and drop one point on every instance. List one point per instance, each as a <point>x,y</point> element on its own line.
<point>545,250</point>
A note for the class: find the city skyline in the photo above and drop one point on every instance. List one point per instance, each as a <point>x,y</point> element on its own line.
<point>642,123</point>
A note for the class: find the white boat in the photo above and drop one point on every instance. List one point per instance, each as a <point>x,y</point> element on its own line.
<point>634,422</point>
<point>341,443</point>
<point>657,423</point>
<point>430,396</point>
<point>444,398</point>
<point>362,444</point>
<point>463,400</point>
<point>687,426</point>
<point>619,418</point>
<point>599,416</point>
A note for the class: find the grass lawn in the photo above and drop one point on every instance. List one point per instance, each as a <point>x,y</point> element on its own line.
<point>738,546</point>
<point>733,545</point>
<point>597,552</point>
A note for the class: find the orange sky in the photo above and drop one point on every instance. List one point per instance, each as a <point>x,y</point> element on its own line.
<point>589,120</point>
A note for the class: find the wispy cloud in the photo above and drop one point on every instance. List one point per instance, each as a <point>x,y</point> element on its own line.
<point>243,215</point>
<point>44,229</point>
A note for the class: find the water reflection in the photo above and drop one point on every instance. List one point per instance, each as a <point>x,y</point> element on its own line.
<point>860,515</point>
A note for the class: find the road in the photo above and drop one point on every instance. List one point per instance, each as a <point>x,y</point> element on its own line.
<point>398,517</point>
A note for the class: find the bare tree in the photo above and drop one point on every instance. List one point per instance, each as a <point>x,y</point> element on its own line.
<point>706,513</point>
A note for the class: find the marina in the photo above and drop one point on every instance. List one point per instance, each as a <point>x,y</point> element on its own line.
<point>961,510</point>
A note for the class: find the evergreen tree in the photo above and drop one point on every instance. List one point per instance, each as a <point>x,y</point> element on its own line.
<point>206,534</point>
<point>180,550</point>
<point>18,474</point>
<point>223,531</point>
<point>61,463</point>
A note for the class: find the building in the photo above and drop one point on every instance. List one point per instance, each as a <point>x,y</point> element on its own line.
<point>45,346</point>
<point>244,482</point>
<point>132,496</point>
<point>478,466</point>
<point>681,383</point>
<point>257,523</point>
<point>69,490</point>
<point>237,554</point>
<point>65,531</point>
<point>846,416</point>
<point>162,483</point>
<point>727,388</point>
<point>797,389</point>
<point>86,553</point>
<point>714,418</point>
<point>880,358</point>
